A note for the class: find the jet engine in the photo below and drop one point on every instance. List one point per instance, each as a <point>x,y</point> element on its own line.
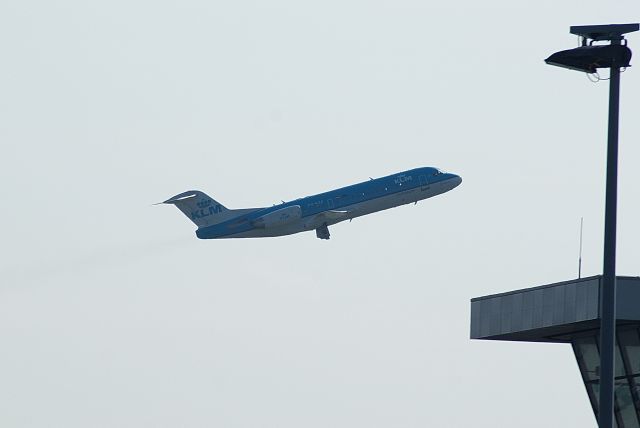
<point>279,217</point>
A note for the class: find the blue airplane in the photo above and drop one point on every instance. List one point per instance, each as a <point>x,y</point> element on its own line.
<point>318,212</point>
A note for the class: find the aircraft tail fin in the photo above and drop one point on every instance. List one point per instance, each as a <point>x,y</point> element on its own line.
<point>200,208</point>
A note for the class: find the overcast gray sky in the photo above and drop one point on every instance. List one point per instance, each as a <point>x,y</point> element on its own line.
<point>113,314</point>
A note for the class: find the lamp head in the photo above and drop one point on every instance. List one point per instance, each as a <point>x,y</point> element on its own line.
<point>589,58</point>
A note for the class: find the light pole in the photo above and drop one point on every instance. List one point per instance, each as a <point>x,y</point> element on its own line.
<point>588,58</point>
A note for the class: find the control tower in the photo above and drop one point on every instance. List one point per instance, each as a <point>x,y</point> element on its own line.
<point>569,312</point>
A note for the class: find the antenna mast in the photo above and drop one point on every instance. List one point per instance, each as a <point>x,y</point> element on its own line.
<point>580,255</point>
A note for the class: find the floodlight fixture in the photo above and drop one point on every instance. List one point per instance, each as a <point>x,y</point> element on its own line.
<point>589,57</point>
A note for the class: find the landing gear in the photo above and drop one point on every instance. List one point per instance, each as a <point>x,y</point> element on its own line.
<point>323,232</point>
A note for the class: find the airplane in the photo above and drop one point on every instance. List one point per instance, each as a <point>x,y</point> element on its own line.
<point>318,212</point>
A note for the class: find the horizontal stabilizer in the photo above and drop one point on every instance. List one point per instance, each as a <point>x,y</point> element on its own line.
<point>183,197</point>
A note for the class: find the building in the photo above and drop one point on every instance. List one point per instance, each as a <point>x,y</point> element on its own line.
<point>569,312</point>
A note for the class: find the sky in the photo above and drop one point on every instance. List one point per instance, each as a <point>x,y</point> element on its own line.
<point>113,314</point>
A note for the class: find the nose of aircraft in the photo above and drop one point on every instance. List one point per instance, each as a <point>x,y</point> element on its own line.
<point>455,181</point>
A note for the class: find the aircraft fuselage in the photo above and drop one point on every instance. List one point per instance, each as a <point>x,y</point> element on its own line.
<point>325,209</point>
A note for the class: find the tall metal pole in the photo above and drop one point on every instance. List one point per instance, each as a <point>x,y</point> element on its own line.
<point>608,293</point>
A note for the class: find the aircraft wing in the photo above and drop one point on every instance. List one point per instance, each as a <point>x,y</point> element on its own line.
<point>333,215</point>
